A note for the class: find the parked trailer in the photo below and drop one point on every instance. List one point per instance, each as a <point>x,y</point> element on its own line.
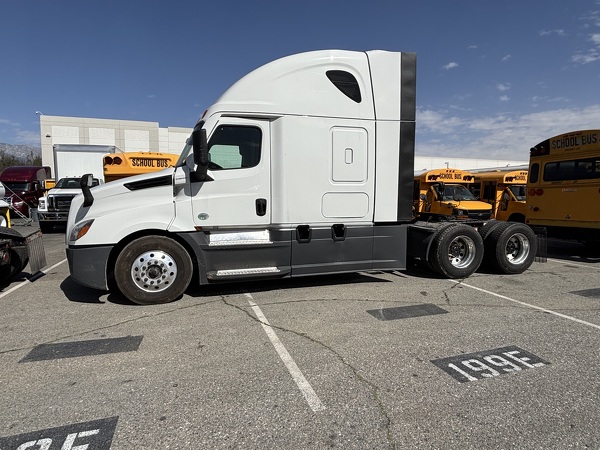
<point>302,167</point>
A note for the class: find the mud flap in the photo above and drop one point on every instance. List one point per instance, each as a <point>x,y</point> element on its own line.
<point>542,244</point>
<point>35,249</point>
<point>28,248</point>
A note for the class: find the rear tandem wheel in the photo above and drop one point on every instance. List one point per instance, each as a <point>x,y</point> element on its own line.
<point>510,247</point>
<point>457,251</point>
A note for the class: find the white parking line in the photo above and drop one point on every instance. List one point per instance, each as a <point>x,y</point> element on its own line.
<point>309,394</point>
<point>549,311</point>
<point>23,283</point>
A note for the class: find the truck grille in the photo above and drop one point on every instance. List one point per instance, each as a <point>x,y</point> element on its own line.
<point>479,215</point>
<point>60,202</point>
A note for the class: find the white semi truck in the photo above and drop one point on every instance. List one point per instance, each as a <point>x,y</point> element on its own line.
<point>302,167</point>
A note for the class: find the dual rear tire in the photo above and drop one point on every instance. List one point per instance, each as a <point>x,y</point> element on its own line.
<point>458,250</point>
<point>510,247</point>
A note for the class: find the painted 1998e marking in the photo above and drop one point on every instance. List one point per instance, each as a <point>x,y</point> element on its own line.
<point>488,364</point>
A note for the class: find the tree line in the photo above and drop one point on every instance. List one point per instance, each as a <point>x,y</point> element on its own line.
<point>7,160</point>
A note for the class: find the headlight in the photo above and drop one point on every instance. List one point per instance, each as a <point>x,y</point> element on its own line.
<point>42,203</point>
<point>80,230</point>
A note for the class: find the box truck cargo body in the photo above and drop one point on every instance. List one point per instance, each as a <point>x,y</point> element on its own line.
<point>302,167</point>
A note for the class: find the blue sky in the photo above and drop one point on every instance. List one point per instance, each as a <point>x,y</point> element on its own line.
<point>493,77</point>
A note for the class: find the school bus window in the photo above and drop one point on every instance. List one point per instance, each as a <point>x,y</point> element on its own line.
<point>583,169</point>
<point>534,173</point>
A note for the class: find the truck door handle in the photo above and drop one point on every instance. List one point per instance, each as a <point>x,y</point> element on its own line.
<point>261,206</point>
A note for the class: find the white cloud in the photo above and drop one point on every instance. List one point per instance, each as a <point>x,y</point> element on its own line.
<point>439,133</point>
<point>450,65</point>
<point>591,56</point>
<point>507,57</point>
<point>504,98</point>
<point>503,87</point>
<point>558,32</point>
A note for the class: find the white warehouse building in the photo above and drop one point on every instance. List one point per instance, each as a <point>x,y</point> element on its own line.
<point>138,136</point>
<point>126,135</point>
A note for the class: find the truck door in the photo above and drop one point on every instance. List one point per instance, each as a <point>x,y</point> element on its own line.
<point>239,163</point>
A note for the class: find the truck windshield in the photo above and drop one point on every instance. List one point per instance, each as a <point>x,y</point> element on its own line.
<point>184,153</point>
<point>16,186</point>
<point>187,149</point>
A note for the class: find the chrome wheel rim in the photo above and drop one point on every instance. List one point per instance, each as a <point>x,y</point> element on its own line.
<point>154,271</point>
<point>517,248</point>
<point>461,252</point>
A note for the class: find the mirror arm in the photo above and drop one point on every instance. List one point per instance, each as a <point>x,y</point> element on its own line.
<point>85,182</point>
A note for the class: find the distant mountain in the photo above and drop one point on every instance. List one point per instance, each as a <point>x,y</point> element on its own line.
<point>20,152</point>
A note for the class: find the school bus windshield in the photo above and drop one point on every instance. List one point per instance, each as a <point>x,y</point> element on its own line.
<point>457,192</point>
<point>519,191</point>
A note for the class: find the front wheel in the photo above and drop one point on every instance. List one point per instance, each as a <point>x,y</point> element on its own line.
<point>152,270</point>
<point>510,248</point>
<point>456,252</point>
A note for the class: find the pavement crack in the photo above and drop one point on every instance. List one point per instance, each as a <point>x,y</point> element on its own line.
<point>372,387</point>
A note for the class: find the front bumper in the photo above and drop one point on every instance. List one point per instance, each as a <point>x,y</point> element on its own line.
<point>88,265</point>
<point>60,216</point>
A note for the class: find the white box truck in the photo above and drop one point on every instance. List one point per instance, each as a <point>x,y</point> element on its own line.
<point>74,160</point>
<point>302,167</point>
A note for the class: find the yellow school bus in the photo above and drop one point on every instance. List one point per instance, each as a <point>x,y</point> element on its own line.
<point>563,187</point>
<point>505,189</point>
<point>121,165</point>
<point>443,194</point>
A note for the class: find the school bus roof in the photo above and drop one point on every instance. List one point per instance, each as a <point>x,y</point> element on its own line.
<point>445,175</point>
<point>503,176</point>
<point>568,142</point>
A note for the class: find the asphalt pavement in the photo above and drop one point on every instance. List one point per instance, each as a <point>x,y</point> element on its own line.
<point>399,360</point>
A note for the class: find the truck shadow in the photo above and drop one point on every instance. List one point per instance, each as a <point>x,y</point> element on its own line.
<point>264,285</point>
<point>81,294</point>
<point>573,251</point>
<point>75,292</point>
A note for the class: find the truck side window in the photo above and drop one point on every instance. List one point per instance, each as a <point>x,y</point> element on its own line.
<point>234,147</point>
